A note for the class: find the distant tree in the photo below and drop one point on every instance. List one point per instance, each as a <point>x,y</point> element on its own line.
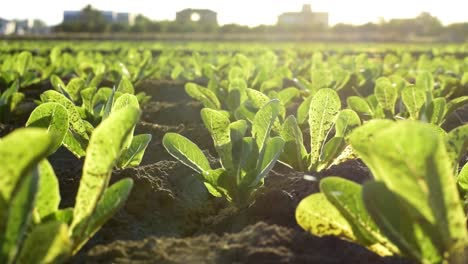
<point>343,28</point>
<point>233,28</point>
<point>92,20</point>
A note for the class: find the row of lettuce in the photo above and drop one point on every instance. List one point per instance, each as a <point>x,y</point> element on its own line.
<point>258,109</point>
<point>92,122</point>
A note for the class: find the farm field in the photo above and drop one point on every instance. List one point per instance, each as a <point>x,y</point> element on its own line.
<point>141,152</point>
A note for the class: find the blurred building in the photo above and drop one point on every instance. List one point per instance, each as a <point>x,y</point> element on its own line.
<point>7,27</point>
<point>304,18</point>
<point>23,27</point>
<point>202,16</point>
<point>109,16</point>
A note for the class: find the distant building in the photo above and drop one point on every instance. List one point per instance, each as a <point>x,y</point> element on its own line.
<point>109,16</point>
<point>22,27</point>
<point>71,16</point>
<point>304,18</point>
<point>202,16</point>
<point>7,27</point>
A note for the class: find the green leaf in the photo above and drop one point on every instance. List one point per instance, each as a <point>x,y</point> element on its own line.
<point>323,110</point>
<point>125,100</point>
<point>23,61</point>
<point>294,149</point>
<point>177,71</point>
<point>414,99</point>
<point>87,95</point>
<point>214,184</point>
<point>360,106</point>
<point>63,215</point>
<point>436,110</point>
<point>54,118</point>
<point>237,131</point>
<point>457,144</point>
<point>100,99</point>
<point>362,139</point>
<point>318,216</point>
<point>272,150</point>
<point>186,152</point>
<point>257,99</point>
<point>105,147</point>
<point>456,103</point>
<point>287,95</point>
<point>394,219</point>
<point>204,95</point>
<point>134,154</point>
<point>76,138</point>
<point>109,105</point>
<point>111,201</point>
<point>462,178</point>
<point>21,151</point>
<point>217,124</point>
<point>48,196</point>
<point>74,88</point>
<point>397,220</point>
<point>412,160</point>
<point>321,78</point>
<point>125,86</point>
<point>16,98</point>
<point>345,195</point>
<point>346,121</point>
<point>235,73</point>
<point>263,122</point>
<point>330,151</point>
<point>20,208</point>
<point>386,94</point>
<point>46,243</point>
<point>425,83</point>
<point>303,110</point>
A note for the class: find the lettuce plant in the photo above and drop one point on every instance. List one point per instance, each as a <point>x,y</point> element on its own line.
<point>412,208</point>
<point>245,161</point>
<point>394,98</point>
<point>22,240</point>
<point>9,100</point>
<point>93,99</point>
<point>33,227</point>
<point>329,128</point>
<point>76,138</point>
<point>54,118</point>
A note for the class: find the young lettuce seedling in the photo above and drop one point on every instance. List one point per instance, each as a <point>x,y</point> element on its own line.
<point>324,115</point>
<point>9,100</point>
<point>413,208</point>
<point>33,228</point>
<point>78,130</point>
<point>54,118</point>
<point>245,161</point>
<point>22,240</point>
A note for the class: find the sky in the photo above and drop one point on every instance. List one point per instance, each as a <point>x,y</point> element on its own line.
<point>246,12</point>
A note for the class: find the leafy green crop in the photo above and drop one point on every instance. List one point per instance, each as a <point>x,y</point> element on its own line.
<point>245,160</point>
<point>21,240</point>
<point>33,227</point>
<point>9,100</point>
<point>54,118</point>
<point>324,116</point>
<point>394,98</point>
<point>412,209</point>
<point>78,130</point>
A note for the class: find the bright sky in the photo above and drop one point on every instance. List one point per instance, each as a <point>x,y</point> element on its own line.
<point>246,12</point>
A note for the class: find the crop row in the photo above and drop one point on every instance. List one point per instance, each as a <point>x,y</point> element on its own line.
<point>260,109</point>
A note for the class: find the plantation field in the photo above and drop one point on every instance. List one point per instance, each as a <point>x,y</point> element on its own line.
<point>121,152</point>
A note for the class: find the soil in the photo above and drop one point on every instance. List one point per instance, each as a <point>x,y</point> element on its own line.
<point>170,217</point>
